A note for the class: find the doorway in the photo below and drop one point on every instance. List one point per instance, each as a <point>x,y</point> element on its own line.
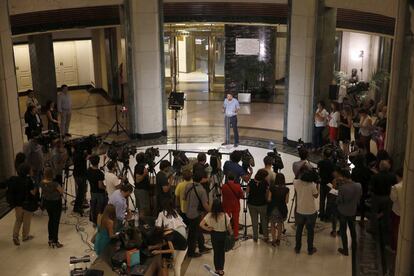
<point>194,57</point>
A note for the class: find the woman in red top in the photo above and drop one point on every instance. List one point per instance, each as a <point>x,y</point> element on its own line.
<point>232,193</point>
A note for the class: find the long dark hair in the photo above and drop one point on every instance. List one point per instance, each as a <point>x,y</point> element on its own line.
<point>167,206</point>
<point>280,180</point>
<point>216,208</point>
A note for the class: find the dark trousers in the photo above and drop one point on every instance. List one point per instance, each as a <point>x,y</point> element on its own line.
<point>195,236</point>
<point>301,221</point>
<point>349,221</point>
<point>332,210</point>
<point>98,204</point>
<point>318,136</point>
<point>380,216</point>
<point>324,190</point>
<point>218,241</point>
<point>80,182</point>
<point>54,210</point>
<point>231,122</point>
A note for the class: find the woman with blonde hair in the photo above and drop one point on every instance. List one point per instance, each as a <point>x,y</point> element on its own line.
<point>106,226</point>
<point>52,201</point>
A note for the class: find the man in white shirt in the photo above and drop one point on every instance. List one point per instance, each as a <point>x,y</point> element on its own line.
<point>112,181</point>
<point>231,107</point>
<point>306,193</point>
<point>268,162</point>
<point>64,107</point>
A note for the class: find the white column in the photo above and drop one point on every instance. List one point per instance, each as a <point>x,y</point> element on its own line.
<point>11,137</point>
<point>301,69</point>
<point>144,52</point>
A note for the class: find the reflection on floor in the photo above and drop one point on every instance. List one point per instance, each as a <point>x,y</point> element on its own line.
<point>201,117</point>
<point>248,258</point>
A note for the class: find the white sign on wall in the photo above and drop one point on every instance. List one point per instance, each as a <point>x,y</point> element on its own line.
<point>247,46</point>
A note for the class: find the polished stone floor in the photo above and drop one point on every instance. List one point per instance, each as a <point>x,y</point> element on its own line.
<point>247,259</point>
<point>202,116</point>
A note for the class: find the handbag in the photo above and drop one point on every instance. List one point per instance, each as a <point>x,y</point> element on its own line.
<point>229,241</point>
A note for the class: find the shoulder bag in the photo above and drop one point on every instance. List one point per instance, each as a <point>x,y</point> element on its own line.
<point>229,241</point>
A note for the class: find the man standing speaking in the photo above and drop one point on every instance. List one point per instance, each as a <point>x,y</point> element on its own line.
<point>231,107</point>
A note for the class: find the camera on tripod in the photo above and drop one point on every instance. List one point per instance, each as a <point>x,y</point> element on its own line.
<point>87,144</point>
<point>121,152</point>
<point>180,160</point>
<point>338,156</point>
<point>247,159</point>
<point>215,153</point>
<point>277,164</point>
<point>45,139</point>
<point>150,154</point>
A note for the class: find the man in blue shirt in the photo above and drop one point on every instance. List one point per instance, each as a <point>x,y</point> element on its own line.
<point>231,107</point>
<point>119,199</point>
<point>233,166</point>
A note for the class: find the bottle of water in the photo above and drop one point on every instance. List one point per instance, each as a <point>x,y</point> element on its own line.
<point>136,222</point>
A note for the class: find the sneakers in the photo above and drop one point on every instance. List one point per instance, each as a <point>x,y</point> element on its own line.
<point>343,251</point>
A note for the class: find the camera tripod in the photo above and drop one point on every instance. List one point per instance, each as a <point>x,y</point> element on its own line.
<point>65,183</point>
<point>117,125</point>
<point>245,237</point>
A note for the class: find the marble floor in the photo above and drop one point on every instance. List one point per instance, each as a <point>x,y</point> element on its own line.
<point>202,116</point>
<point>247,259</point>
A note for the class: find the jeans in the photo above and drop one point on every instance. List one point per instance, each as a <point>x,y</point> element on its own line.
<point>301,221</point>
<point>231,122</point>
<point>195,235</point>
<point>218,241</point>
<point>22,217</point>
<point>324,190</point>
<point>255,211</point>
<point>65,118</point>
<point>318,136</point>
<point>349,221</point>
<point>98,204</point>
<point>80,192</point>
<point>54,210</point>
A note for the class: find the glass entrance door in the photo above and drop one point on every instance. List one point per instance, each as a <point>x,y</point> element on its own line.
<point>192,63</point>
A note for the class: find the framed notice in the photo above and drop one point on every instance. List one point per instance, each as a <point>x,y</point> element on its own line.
<point>247,46</point>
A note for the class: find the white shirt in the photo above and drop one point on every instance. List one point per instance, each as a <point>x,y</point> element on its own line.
<point>120,203</point>
<point>396,196</point>
<point>324,114</point>
<point>342,93</point>
<point>169,222</point>
<point>305,199</point>
<point>111,181</point>
<point>334,119</point>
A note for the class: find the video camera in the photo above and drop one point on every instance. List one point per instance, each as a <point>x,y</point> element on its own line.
<point>121,152</point>
<point>247,159</point>
<point>87,144</point>
<point>214,152</point>
<point>45,139</point>
<point>150,154</point>
<point>338,156</point>
<point>277,160</point>
<point>180,160</point>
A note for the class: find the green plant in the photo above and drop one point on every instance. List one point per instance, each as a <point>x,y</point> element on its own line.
<point>378,79</point>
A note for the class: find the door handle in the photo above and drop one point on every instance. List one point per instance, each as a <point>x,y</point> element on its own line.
<point>17,68</point>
